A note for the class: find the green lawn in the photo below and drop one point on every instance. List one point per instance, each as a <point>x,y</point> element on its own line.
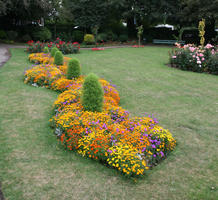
<point>34,166</point>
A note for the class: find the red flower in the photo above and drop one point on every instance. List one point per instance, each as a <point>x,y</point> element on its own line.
<point>97,49</point>
<point>76,44</point>
<point>30,42</point>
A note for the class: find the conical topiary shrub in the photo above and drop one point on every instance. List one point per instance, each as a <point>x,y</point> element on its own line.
<point>53,51</point>
<point>46,50</point>
<point>58,58</point>
<point>92,94</point>
<point>73,69</point>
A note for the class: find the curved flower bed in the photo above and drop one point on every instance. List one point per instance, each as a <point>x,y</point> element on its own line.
<point>131,145</point>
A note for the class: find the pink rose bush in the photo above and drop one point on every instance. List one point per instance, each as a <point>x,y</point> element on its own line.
<point>195,58</point>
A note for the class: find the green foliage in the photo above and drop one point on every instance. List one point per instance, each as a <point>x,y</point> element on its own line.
<point>42,34</point>
<point>123,38</point>
<point>65,36</point>
<point>26,38</point>
<point>213,64</point>
<point>92,94</point>
<point>78,36</point>
<point>3,34</point>
<point>111,36</point>
<point>53,51</point>
<point>12,35</point>
<point>73,69</point>
<point>102,37</point>
<point>88,14</point>
<point>58,58</point>
<point>46,50</point>
<point>89,39</point>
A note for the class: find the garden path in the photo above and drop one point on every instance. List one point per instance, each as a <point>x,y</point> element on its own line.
<point>5,53</point>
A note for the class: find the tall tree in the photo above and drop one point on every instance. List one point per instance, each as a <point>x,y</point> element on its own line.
<point>3,6</point>
<point>88,13</point>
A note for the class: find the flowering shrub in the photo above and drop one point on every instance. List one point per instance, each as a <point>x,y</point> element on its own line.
<point>64,47</point>
<point>89,39</point>
<point>131,145</point>
<point>197,59</point>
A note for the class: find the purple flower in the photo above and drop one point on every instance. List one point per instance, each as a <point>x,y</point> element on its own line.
<point>154,155</point>
<point>153,146</point>
<point>162,154</point>
<point>109,151</point>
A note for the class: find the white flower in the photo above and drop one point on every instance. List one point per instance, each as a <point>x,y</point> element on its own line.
<point>35,85</point>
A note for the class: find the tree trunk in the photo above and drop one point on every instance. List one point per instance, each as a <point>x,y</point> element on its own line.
<point>131,27</point>
<point>55,29</point>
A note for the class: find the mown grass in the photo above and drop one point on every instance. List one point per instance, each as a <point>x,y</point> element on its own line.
<point>34,166</point>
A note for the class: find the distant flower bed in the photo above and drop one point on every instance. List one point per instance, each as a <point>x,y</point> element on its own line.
<point>195,58</point>
<point>138,46</point>
<point>64,47</point>
<point>97,49</point>
<point>130,144</point>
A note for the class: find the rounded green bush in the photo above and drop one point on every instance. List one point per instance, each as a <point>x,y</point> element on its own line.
<point>102,37</point>
<point>46,50</point>
<point>92,94</point>
<point>123,38</point>
<point>42,34</point>
<point>89,39</point>
<point>53,51</point>
<point>73,69</point>
<point>58,58</point>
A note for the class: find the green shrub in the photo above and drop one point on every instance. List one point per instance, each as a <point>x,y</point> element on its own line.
<point>53,51</point>
<point>123,38</point>
<point>42,34</point>
<point>65,36</point>
<point>92,94</point>
<point>102,37</point>
<point>26,38</point>
<point>78,36</point>
<point>213,64</point>
<point>89,39</point>
<point>58,58</point>
<point>46,50</point>
<point>3,35</point>
<point>73,69</point>
<point>111,36</point>
<point>12,35</point>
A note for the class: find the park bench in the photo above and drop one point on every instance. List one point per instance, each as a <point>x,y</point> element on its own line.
<point>156,41</point>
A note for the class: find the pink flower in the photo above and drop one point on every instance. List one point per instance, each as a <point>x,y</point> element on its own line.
<point>173,56</point>
<point>192,49</point>
<point>208,46</point>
